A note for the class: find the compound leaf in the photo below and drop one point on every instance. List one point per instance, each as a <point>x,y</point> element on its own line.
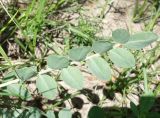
<point>99,67</point>
<point>47,86</point>
<point>120,35</point>
<point>19,90</point>
<point>122,57</point>
<point>24,73</point>
<point>65,113</point>
<point>73,77</point>
<point>141,40</point>
<point>79,54</point>
<point>101,46</point>
<point>57,62</point>
<point>50,114</point>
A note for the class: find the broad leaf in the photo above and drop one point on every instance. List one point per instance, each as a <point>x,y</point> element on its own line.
<point>5,113</point>
<point>17,113</point>
<point>146,103</point>
<point>57,62</point>
<point>47,86</point>
<point>96,112</point>
<point>19,90</point>
<point>101,46</point>
<point>65,113</point>
<point>50,114</point>
<point>134,109</point>
<point>24,73</point>
<point>8,113</point>
<point>33,113</point>
<point>121,35</point>
<point>153,114</point>
<point>122,57</point>
<point>73,77</point>
<point>99,67</point>
<point>141,40</point>
<point>30,113</point>
<point>79,54</point>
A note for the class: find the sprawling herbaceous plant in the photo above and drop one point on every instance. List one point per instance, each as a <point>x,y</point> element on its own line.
<point>118,51</point>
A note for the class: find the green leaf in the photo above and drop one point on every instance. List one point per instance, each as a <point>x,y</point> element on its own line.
<point>73,77</point>
<point>134,109</point>
<point>153,114</point>
<point>33,113</point>
<point>4,55</point>
<point>157,90</point>
<point>24,73</point>
<point>79,54</point>
<point>101,46</point>
<point>17,113</point>
<point>27,72</point>
<point>96,112</point>
<point>50,114</point>
<point>19,90</point>
<point>146,103</point>
<point>65,113</point>
<point>122,57</point>
<point>47,86</point>
<point>57,62</point>
<point>99,67</point>
<point>141,40</point>
<point>5,113</point>
<point>120,35</point>
<point>11,113</point>
<point>78,32</point>
<point>10,76</point>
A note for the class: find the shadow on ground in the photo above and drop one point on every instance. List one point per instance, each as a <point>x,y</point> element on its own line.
<point>149,107</point>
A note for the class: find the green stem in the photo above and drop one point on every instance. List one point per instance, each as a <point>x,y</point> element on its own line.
<point>136,8</point>
<point>153,21</point>
<point>139,11</point>
<point>145,81</point>
<point>64,99</point>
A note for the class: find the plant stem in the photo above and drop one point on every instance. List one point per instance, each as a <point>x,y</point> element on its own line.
<point>153,21</point>
<point>64,99</point>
